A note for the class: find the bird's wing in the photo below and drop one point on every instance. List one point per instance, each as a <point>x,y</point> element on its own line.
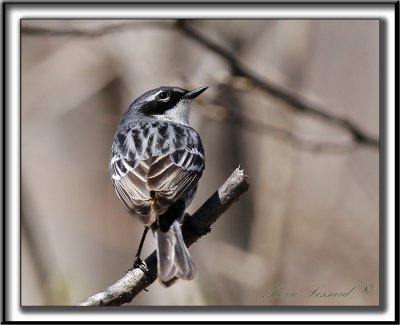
<point>171,176</point>
<point>154,184</point>
<point>130,183</point>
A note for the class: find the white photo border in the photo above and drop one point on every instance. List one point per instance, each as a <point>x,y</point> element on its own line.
<point>13,12</point>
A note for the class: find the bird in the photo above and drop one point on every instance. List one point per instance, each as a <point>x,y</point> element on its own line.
<point>157,159</point>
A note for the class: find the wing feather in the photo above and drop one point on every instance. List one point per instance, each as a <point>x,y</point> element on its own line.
<point>173,175</point>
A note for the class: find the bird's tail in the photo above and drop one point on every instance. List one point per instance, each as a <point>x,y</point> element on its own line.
<point>173,256</point>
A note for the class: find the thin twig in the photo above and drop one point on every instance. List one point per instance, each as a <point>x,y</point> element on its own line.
<point>94,31</point>
<point>227,113</point>
<point>291,137</point>
<point>194,227</point>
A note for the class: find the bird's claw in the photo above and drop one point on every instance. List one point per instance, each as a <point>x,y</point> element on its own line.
<point>138,263</point>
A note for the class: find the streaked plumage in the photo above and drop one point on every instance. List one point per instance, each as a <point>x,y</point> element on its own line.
<point>157,160</point>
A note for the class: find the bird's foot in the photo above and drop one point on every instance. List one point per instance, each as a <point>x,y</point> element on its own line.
<point>138,263</point>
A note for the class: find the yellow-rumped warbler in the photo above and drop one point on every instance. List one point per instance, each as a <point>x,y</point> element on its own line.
<point>157,160</point>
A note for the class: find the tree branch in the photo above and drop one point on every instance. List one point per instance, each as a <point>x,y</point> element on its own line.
<point>297,102</point>
<point>193,227</point>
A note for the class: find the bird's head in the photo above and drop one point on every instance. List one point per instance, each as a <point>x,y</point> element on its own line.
<point>167,103</point>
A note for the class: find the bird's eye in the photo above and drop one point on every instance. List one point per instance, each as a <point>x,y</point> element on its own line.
<point>163,96</point>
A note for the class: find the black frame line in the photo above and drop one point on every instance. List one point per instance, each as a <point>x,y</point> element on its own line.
<point>382,174</point>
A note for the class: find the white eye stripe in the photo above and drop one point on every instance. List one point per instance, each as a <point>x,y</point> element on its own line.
<point>151,98</point>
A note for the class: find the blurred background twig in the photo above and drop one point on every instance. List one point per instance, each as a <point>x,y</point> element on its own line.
<point>297,102</point>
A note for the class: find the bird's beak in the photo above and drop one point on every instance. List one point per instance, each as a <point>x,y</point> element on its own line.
<point>194,93</point>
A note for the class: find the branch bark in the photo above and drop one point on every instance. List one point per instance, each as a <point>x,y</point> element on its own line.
<point>193,227</point>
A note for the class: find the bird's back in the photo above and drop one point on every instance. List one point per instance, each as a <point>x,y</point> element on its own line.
<point>153,164</point>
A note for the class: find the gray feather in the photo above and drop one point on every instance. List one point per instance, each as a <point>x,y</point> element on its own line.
<point>173,256</point>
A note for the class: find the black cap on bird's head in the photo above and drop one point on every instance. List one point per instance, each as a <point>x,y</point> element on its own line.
<point>171,103</point>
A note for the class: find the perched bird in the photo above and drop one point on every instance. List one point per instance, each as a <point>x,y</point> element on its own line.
<point>157,161</point>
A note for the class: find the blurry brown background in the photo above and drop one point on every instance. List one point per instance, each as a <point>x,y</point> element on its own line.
<point>311,217</point>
